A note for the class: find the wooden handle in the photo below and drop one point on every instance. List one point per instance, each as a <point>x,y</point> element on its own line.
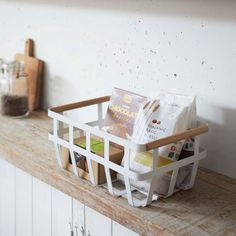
<point>177,137</point>
<point>29,47</point>
<point>80,104</point>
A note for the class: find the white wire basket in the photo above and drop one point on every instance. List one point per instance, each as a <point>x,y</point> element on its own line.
<point>61,120</point>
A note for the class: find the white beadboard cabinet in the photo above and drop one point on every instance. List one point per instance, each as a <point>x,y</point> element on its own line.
<point>7,199</point>
<point>23,200</point>
<point>119,230</point>
<point>42,211</point>
<point>61,213</point>
<point>30,207</point>
<point>97,224</point>
<point>78,218</point>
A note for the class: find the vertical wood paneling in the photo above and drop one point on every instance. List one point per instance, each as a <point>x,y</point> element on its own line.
<point>96,223</point>
<point>7,199</point>
<point>41,208</point>
<point>78,218</point>
<point>23,203</point>
<point>61,213</point>
<point>29,207</point>
<point>120,230</point>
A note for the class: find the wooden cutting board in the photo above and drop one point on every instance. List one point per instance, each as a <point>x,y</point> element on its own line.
<point>34,70</point>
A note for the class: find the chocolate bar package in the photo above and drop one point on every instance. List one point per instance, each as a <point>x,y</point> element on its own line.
<point>122,112</point>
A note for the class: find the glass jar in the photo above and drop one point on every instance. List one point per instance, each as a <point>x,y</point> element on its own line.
<point>14,89</point>
<point>4,80</point>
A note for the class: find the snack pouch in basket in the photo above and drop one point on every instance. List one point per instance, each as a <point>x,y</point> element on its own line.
<point>122,112</point>
<point>170,114</point>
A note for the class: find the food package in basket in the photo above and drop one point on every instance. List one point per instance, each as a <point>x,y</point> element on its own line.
<point>122,112</point>
<point>169,114</point>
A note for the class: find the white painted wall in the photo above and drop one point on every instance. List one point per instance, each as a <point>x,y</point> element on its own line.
<point>91,46</point>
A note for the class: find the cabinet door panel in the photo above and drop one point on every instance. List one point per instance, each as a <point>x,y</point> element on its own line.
<point>41,208</point>
<point>78,218</point>
<point>61,213</point>
<point>23,203</point>
<point>120,230</point>
<point>96,223</point>
<point>7,198</point>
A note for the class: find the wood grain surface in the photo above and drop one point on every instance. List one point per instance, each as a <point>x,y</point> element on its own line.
<point>207,209</point>
<point>34,70</point>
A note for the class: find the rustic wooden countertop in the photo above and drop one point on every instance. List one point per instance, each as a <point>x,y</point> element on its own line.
<point>207,209</point>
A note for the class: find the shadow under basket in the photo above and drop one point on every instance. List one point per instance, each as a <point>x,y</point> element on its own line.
<point>101,164</point>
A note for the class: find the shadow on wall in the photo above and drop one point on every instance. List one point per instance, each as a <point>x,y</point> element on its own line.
<point>217,9</point>
<point>57,90</point>
<point>220,138</point>
<point>54,88</point>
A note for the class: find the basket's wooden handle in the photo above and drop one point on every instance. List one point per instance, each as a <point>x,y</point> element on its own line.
<point>203,128</point>
<point>85,103</point>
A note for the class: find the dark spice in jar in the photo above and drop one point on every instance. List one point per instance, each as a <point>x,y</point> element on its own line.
<point>13,105</point>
